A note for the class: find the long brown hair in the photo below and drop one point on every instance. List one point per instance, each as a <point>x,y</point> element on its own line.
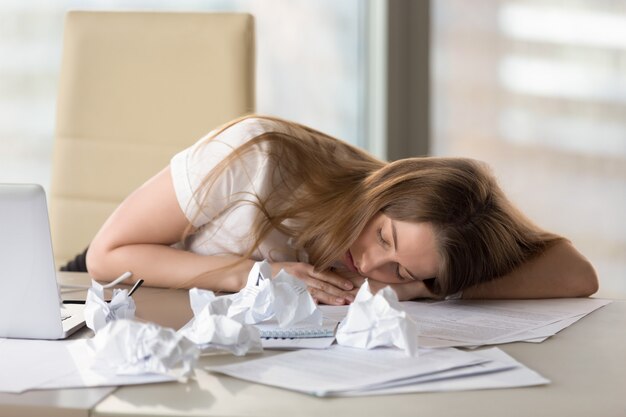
<point>324,191</point>
<point>480,235</point>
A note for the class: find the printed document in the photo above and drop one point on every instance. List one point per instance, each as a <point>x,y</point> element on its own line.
<point>482,322</point>
<point>342,371</point>
<point>470,323</point>
<point>501,372</point>
<point>325,372</point>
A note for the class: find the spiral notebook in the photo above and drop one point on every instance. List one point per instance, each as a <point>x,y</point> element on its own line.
<point>270,330</point>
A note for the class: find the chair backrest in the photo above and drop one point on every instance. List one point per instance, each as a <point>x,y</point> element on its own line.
<point>136,87</point>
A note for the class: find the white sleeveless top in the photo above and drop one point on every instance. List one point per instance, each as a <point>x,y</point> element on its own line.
<point>245,177</point>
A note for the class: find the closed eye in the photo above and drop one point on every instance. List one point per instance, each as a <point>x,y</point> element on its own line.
<point>381,239</point>
<point>398,273</point>
<point>386,244</point>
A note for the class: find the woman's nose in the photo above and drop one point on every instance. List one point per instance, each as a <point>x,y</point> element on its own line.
<point>371,262</point>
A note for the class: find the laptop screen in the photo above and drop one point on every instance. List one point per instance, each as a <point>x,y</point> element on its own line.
<point>29,295</point>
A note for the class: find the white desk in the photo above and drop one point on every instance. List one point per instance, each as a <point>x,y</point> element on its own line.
<point>586,363</point>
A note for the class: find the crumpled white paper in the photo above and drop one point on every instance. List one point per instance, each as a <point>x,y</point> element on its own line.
<point>378,320</point>
<point>261,271</point>
<point>226,322</point>
<point>205,299</point>
<point>132,348</point>
<point>254,303</point>
<point>292,303</point>
<point>284,298</point>
<point>211,329</point>
<point>98,312</point>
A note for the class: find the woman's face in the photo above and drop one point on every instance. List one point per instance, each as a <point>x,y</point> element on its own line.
<point>393,251</point>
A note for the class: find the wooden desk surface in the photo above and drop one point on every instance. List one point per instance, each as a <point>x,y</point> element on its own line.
<point>585,362</point>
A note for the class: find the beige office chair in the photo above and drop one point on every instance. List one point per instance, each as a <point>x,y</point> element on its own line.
<point>135,88</point>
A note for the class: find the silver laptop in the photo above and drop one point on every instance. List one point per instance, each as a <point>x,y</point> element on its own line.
<point>30,303</point>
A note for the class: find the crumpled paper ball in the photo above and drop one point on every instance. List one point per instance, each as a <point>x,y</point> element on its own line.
<point>378,320</point>
<point>98,312</point>
<point>212,330</point>
<point>131,347</point>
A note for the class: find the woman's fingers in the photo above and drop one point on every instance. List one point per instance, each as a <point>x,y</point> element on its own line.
<point>332,279</point>
<point>324,298</point>
<point>331,287</point>
<point>325,287</point>
<point>357,280</point>
<point>328,293</point>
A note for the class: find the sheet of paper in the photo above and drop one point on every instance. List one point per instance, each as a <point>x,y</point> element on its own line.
<point>27,363</point>
<point>541,333</point>
<point>324,372</point>
<point>583,306</point>
<point>502,372</point>
<point>435,342</point>
<point>489,366</point>
<point>84,376</point>
<point>426,341</point>
<point>537,335</point>
<point>478,322</point>
<point>473,322</point>
<point>431,334</point>
<point>336,313</point>
<point>47,364</point>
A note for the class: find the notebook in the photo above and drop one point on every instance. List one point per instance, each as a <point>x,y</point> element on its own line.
<point>270,329</point>
<point>30,303</point>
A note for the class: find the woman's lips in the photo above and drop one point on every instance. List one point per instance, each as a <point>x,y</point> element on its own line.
<point>350,262</point>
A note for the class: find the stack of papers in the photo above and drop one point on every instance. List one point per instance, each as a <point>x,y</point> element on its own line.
<point>339,370</point>
<point>472,323</point>
<point>343,371</point>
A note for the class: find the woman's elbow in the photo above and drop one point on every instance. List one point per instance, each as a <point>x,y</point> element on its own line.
<point>96,261</point>
<point>588,280</point>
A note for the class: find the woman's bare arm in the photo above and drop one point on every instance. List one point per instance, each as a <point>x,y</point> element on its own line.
<point>561,271</point>
<point>137,238</point>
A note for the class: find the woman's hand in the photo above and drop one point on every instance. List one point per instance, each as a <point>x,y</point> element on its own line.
<point>327,287</point>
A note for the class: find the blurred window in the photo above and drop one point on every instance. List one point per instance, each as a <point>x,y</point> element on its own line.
<point>309,68</point>
<point>537,89</point>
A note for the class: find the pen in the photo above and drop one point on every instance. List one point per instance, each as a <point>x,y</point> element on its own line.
<point>132,290</point>
<point>135,287</point>
<point>79,301</point>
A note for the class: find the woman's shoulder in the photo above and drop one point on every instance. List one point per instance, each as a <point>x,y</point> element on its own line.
<point>221,142</point>
<point>250,127</point>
